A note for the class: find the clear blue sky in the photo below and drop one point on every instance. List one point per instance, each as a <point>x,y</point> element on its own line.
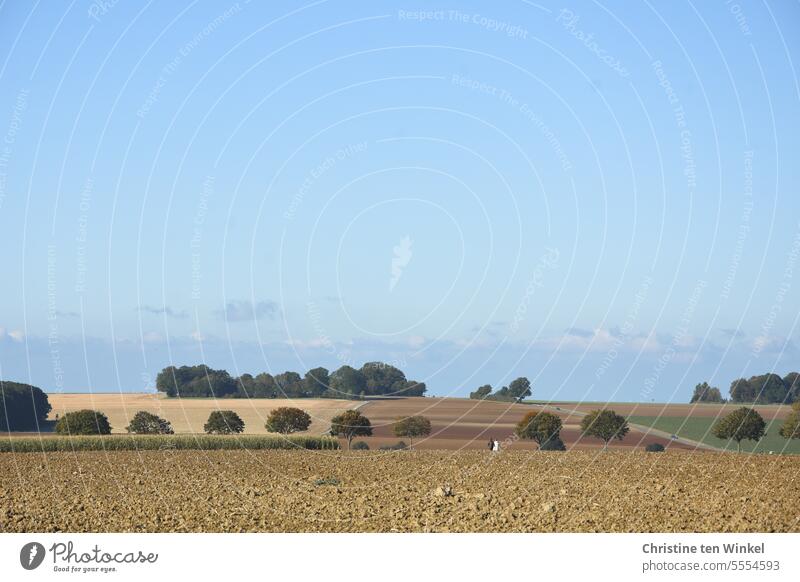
<point>602,197</point>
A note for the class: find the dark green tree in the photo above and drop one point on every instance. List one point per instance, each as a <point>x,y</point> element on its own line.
<point>347,382</point>
<point>604,425</point>
<point>287,420</point>
<point>763,389</point>
<point>224,422</point>
<point>81,422</point>
<point>264,386</point>
<point>290,385</point>
<point>22,407</point>
<point>741,424</point>
<point>705,393</point>
<point>769,389</point>
<point>144,422</point>
<point>383,379</point>
<point>414,388</point>
<point>792,383</point>
<point>481,392</point>
<point>316,382</point>
<point>539,426</point>
<point>412,427</point>
<point>350,424</point>
<point>742,391</point>
<point>196,381</point>
<point>519,389</point>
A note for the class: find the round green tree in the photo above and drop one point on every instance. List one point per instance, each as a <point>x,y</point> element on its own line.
<point>412,427</point>
<point>81,422</point>
<point>540,427</point>
<point>144,422</point>
<point>605,425</point>
<point>741,424</point>
<point>22,407</point>
<point>224,422</point>
<point>287,420</point>
<point>350,424</point>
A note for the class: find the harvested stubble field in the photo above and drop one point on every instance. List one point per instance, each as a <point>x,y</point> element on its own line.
<point>465,491</point>
<point>188,415</point>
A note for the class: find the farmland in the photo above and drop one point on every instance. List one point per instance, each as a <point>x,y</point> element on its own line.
<point>340,491</point>
<point>698,428</point>
<point>188,415</point>
<point>468,424</point>
<point>457,423</point>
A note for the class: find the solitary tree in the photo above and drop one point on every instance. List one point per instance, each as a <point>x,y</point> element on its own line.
<point>350,424</point>
<point>540,427</point>
<point>224,422</point>
<point>519,389</point>
<point>286,420</point>
<point>83,422</point>
<point>144,422</point>
<point>604,425</point>
<point>741,424</point>
<point>412,426</point>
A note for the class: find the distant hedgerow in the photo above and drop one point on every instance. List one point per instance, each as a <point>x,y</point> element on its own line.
<point>134,442</point>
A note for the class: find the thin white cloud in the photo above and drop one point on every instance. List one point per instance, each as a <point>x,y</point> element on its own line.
<point>242,310</point>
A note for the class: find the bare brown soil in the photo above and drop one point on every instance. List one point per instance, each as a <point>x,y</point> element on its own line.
<point>459,423</point>
<point>464,491</point>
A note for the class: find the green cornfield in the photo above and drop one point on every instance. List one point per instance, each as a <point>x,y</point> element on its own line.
<point>200,442</point>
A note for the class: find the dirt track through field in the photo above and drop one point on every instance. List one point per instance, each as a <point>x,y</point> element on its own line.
<point>459,423</point>
<point>464,491</point>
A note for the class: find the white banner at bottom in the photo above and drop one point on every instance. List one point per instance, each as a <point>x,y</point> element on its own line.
<point>390,557</point>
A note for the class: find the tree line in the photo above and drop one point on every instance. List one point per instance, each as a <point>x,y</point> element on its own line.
<point>372,379</point>
<point>516,391</point>
<point>763,389</point>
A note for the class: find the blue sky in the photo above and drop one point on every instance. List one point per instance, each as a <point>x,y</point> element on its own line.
<point>602,197</point>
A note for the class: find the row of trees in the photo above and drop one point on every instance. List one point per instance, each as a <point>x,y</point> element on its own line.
<point>283,420</point>
<point>516,391</point>
<point>763,389</point>
<point>372,379</point>
<point>542,427</point>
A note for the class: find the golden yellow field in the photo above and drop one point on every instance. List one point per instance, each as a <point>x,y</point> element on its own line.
<point>458,491</point>
<point>188,415</point>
